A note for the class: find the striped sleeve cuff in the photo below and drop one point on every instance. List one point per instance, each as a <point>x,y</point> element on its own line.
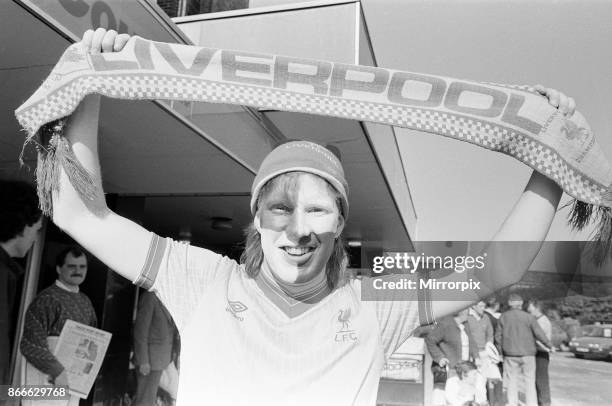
<point>425,305</point>
<point>149,271</point>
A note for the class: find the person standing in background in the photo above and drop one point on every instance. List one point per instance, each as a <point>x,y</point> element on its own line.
<point>480,326</point>
<point>51,308</point>
<point>20,222</point>
<point>516,336</point>
<point>534,307</point>
<point>154,344</point>
<point>492,311</point>
<point>451,341</point>
<point>449,344</point>
<point>482,331</point>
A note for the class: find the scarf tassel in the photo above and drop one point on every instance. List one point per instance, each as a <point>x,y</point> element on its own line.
<point>55,151</point>
<point>602,248</point>
<point>580,215</point>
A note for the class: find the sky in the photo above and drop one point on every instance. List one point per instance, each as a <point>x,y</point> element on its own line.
<point>462,192</point>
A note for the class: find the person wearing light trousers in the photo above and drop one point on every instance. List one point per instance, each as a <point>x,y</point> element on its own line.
<point>516,335</point>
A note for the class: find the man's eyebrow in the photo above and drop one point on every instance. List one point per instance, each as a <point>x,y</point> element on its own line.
<point>322,202</point>
<point>277,198</point>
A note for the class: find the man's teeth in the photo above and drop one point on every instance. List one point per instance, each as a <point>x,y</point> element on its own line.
<point>297,250</point>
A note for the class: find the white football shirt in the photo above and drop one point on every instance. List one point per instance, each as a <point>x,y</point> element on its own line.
<point>245,343</point>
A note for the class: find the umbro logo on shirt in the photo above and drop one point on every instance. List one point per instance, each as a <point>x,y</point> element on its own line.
<point>235,307</point>
<point>345,334</point>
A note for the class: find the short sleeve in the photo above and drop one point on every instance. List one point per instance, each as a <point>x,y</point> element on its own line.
<point>179,274</point>
<point>400,313</point>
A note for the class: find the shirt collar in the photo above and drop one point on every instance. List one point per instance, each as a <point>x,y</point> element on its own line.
<point>460,325</point>
<point>297,290</point>
<point>62,285</point>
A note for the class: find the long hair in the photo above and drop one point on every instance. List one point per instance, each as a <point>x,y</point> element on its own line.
<point>252,256</point>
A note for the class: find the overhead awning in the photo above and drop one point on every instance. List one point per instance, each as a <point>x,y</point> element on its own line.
<point>196,161</point>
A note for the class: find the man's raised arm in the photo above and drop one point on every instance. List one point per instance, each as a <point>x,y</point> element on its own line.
<point>518,241</point>
<point>120,243</point>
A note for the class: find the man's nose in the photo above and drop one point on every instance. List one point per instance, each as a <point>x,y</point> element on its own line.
<point>298,228</point>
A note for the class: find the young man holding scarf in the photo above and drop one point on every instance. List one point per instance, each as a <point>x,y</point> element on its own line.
<point>286,326</point>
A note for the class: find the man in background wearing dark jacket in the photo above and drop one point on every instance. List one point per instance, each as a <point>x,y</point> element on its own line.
<point>20,221</point>
<point>516,335</point>
<point>451,341</point>
<point>154,342</point>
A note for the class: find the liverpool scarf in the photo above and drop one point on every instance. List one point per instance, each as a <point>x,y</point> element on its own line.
<point>513,120</point>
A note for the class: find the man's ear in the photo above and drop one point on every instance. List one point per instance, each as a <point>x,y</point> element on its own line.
<point>340,227</point>
<point>57,269</point>
<point>257,222</point>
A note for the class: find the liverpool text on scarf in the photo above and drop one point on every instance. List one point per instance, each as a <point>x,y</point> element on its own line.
<point>325,78</point>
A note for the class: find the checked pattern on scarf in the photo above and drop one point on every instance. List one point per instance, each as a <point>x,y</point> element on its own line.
<point>513,119</point>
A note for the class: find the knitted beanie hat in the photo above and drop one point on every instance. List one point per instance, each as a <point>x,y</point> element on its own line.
<point>301,156</point>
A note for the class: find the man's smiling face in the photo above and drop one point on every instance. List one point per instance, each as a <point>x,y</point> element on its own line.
<point>73,271</point>
<point>298,220</point>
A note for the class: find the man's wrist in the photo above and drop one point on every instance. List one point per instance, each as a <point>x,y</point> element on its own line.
<point>56,370</point>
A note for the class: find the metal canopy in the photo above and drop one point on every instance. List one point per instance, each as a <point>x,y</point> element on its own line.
<point>191,161</point>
